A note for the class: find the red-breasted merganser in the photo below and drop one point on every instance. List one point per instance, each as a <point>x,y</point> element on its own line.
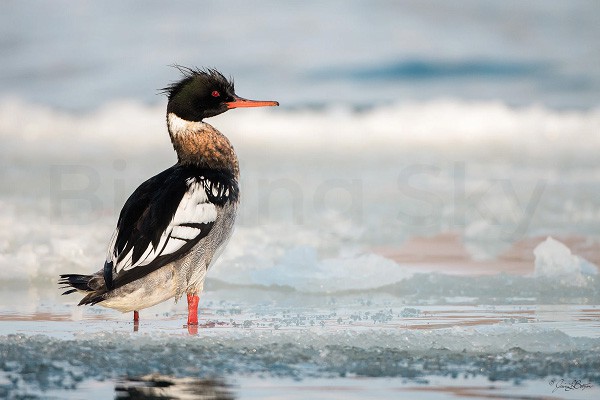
<point>174,225</point>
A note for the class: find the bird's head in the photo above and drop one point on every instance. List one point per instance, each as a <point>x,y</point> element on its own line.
<point>205,93</point>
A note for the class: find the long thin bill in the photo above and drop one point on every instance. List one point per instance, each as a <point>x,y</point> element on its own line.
<point>238,102</point>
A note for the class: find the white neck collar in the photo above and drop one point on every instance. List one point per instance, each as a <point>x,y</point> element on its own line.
<point>178,126</point>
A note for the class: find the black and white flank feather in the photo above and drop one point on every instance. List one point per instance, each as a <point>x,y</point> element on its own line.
<point>163,219</point>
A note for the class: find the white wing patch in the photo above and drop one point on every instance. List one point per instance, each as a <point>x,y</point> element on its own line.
<point>193,209</point>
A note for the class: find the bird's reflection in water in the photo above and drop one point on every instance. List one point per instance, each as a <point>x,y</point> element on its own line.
<point>162,387</point>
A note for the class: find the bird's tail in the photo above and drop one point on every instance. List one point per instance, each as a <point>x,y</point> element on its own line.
<point>75,282</point>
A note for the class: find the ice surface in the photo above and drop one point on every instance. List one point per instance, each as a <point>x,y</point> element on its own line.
<point>260,333</point>
<point>41,362</point>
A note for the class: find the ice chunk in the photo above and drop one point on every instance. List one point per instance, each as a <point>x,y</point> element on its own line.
<point>302,269</point>
<point>554,260</point>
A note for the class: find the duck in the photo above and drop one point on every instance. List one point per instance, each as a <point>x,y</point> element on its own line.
<point>174,226</point>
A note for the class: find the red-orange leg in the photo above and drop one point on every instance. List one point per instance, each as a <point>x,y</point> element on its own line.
<point>193,300</point>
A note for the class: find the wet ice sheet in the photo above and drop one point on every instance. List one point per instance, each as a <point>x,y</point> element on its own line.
<point>355,316</point>
<point>37,364</point>
<point>274,309</point>
<point>261,344</point>
<point>426,328</point>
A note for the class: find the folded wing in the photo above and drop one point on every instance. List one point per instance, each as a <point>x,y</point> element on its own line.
<point>162,220</point>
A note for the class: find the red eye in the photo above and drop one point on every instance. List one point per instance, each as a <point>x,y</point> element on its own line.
<point>215,93</point>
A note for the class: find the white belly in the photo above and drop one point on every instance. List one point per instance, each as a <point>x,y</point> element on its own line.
<point>147,292</point>
<point>137,300</point>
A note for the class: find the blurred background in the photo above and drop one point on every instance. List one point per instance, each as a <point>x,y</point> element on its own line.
<point>79,56</point>
<point>477,121</point>
<point>430,181</point>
